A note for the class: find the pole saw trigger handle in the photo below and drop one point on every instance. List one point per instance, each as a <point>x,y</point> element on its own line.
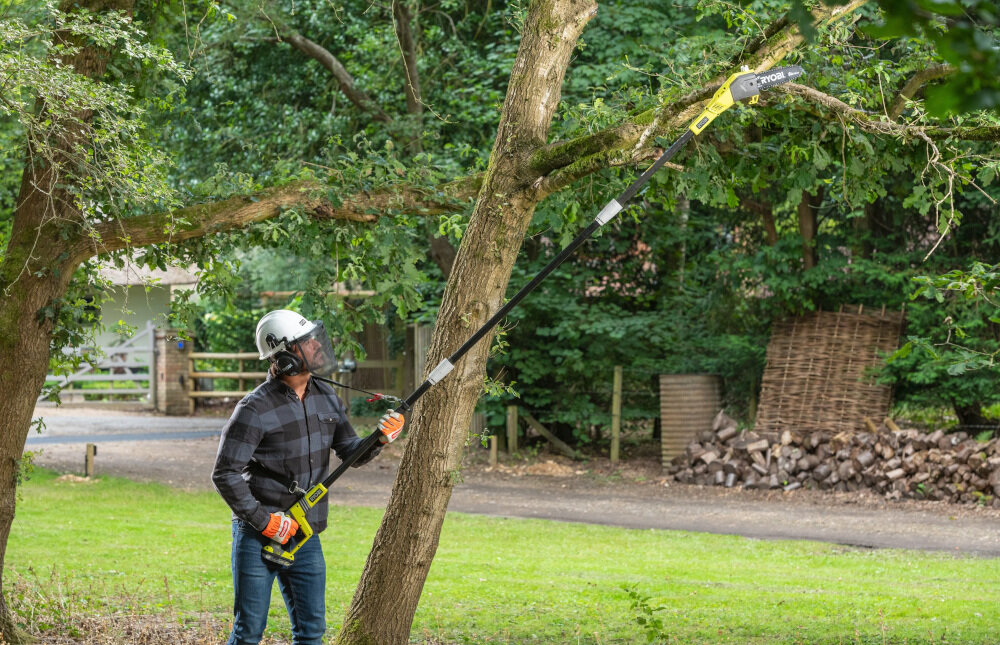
<point>740,86</point>
<point>277,553</point>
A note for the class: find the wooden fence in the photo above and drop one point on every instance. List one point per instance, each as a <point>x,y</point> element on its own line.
<point>248,378</point>
<point>818,370</point>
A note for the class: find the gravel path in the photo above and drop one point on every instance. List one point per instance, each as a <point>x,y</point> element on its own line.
<point>179,451</point>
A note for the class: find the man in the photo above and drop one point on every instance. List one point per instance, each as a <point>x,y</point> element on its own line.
<point>278,441</point>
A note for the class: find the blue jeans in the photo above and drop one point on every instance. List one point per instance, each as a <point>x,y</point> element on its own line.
<point>302,585</point>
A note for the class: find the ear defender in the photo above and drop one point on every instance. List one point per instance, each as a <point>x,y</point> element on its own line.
<point>287,363</point>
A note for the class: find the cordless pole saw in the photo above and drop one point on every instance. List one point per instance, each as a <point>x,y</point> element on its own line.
<point>738,87</point>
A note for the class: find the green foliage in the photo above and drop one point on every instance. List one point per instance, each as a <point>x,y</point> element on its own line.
<point>114,168</point>
<point>685,281</point>
<point>964,33</point>
<point>25,468</point>
<point>957,336</point>
<point>646,616</point>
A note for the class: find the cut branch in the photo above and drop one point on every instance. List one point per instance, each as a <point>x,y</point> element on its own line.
<point>869,123</point>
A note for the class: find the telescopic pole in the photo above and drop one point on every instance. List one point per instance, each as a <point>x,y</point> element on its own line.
<point>739,86</point>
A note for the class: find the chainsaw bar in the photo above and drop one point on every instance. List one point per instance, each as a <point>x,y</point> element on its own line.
<point>778,76</point>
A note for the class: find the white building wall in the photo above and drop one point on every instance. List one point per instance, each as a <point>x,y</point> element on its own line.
<point>133,305</point>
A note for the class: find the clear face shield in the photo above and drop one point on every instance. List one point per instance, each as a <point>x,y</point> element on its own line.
<point>316,351</point>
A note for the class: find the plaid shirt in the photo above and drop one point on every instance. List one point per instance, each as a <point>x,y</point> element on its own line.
<point>287,436</point>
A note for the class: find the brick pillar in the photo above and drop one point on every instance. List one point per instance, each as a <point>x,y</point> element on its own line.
<point>172,373</point>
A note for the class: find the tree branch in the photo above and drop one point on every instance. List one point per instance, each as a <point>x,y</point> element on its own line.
<point>765,52</point>
<point>346,82</point>
<point>556,181</point>
<point>868,123</point>
<point>236,212</point>
<point>404,36</point>
<point>914,84</point>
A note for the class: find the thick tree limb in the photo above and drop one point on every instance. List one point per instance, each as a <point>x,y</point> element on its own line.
<point>346,82</point>
<point>556,181</point>
<point>561,154</point>
<point>235,212</point>
<point>912,86</point>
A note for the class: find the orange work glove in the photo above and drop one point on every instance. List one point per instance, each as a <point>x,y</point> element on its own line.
<point>390,425</point>
<point>280,528</point>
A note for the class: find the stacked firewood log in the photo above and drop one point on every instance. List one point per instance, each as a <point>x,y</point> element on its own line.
<point>891,461</point>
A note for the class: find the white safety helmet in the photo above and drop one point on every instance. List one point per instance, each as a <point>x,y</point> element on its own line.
<point>280,333</point>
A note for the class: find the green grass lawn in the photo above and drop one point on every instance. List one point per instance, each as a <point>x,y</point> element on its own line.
<point>116,546</point>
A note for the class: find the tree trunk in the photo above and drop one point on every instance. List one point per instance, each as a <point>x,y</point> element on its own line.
<point>408,49</point>
<point>43,251</point>
<point>770,228</point>
<point>808,223</point>
<point>972,415</point>
<point>24,339</point>
<point>386,598</point>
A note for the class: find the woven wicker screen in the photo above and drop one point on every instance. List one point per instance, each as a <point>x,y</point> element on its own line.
<point>816,376</point>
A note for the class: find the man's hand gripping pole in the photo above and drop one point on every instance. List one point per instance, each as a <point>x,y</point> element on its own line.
<point>389,428</point>
<point>740,86</point>
<point>274,551</point>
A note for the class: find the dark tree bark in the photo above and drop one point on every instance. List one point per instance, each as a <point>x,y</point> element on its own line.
<point>37,266</point>
<point>808,221</point>
<point>443,254</point>
<point>766,212</point>
<point>402,19</point>
<point>972,415</point>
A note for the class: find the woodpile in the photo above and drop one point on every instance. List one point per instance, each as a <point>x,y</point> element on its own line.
<point>888,460</point>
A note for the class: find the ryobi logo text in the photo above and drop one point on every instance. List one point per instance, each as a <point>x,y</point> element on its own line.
<point>770,78</point>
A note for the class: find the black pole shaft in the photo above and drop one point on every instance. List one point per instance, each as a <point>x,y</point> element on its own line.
<point>580,238</point>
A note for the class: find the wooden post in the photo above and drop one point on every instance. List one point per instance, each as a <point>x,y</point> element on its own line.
<point>511,429</point>
<point>88,460</point>
<point>493,451</point>
<point>400,381</point>
<point>241,388</point>
<point>616,414</point>
<point>558,443</point>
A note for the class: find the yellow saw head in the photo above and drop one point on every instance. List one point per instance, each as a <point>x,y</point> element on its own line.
<point>740,86</point>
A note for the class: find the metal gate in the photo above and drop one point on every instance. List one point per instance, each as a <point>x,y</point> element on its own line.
<point>120,373</point>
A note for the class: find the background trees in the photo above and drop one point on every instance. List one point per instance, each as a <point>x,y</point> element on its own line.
<point>354,142</point>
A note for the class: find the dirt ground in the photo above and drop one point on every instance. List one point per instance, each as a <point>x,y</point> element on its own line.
<point>544,485</point>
